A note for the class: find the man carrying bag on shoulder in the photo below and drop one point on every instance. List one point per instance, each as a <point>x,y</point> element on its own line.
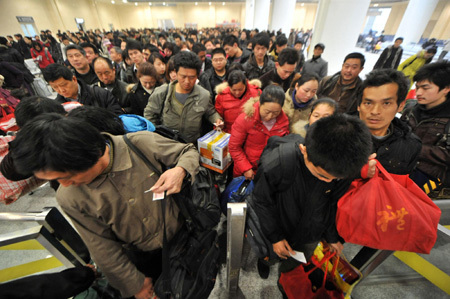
<point>109,194</point>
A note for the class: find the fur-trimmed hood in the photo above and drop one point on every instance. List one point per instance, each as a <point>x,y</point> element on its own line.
<point>222,86</point>
<point>250,107</point>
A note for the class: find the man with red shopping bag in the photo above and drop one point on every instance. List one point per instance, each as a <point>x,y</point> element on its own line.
<point>298,185</point>
<point>390,211</point>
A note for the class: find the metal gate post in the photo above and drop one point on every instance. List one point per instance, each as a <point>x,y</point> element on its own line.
<point>235,241</point>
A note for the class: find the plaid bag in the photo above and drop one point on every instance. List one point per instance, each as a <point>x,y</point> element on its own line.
<point>10,191</point>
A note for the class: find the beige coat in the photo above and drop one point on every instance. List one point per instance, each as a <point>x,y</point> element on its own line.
<point>298,118</point>
<point>113,211</point>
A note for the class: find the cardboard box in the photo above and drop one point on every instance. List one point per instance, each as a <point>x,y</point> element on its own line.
<point>213,148</point>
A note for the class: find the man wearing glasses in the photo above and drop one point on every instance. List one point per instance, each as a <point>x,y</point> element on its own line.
<point>212,77</point>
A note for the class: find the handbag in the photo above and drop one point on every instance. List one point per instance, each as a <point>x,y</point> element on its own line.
<point>388,212</point>
<point>8,121</point>
<point>304,281</point>
<point>341,273</point>
<point>238,189</point>
<point>10,191</point>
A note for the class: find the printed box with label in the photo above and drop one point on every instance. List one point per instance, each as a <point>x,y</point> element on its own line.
<point>213,148</point>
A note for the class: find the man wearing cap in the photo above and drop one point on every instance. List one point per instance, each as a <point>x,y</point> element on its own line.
<point>316,65</point>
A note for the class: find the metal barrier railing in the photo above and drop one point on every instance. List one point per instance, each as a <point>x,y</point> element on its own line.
<point>54,233</point>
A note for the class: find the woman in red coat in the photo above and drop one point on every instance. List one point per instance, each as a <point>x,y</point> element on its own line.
<point>41,55</point>
<point>251,130</point>
<point>232,95</point>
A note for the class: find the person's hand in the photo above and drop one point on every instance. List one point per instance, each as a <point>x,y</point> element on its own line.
<point>283,249</point>
<point>146,291</point>
<point>249,174</point>
<point>170,181</point>
<point>372,165</point>
<point>338,247</point>
<point>4,105</point>
<point>219,124</point>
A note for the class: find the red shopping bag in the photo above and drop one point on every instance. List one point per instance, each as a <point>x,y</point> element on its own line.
<point>388,212</point>
<point>298,285</point>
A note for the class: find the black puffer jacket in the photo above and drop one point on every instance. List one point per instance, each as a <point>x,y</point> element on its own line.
<point>95,96</point>
<point>398,153</point>
<point>302,211</point>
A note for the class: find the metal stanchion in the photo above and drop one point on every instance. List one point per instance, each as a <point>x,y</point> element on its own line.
<point>235,241</point>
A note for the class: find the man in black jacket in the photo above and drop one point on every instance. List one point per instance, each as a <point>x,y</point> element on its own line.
<point>297,188</point>
<point>69,89</point>
<point>81,68</point>
<point>214,76</point>
<point>382,96</point>
<point>391,56</point>
<point>284,73</point>
<point>234,52</point>
<point>106,73</point>
<point>259,62</point>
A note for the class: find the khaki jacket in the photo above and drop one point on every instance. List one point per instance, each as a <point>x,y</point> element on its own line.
<point>113,212</point>
<point>197,106</point>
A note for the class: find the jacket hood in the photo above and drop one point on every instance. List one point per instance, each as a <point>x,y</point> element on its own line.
<point>222,86</point>
<point>131,87</point>
<point>3,48</point>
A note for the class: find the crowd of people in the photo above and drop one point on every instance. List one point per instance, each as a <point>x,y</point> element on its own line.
<point>252,85</point>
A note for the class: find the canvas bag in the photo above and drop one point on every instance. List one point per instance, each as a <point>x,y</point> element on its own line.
<point>388,212</point>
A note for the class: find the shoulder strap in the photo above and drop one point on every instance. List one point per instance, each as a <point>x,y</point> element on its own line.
<point>164,101</point>
<point>46,53</point>
<point>141,155</point>
<point>446,136</point>
<point>165,248</point>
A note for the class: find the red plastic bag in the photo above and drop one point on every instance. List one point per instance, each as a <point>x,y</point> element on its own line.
<point>297,284</point>
<point>388,212</point>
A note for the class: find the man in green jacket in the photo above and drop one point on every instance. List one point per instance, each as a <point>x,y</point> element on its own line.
<point>182,104</point>
<point>108,192</point>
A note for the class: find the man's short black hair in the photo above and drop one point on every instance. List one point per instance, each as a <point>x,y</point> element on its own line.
<point>299,41</point>
<point>55,71</point>
<point>289,56</point>
<point>218,51</point>
<point>134,45</point>
<point>187,60</point>
<point>3,41</point>
<point>281,40</point>
<point>437,73</point>
<point>169,45</point>
<point>76,47</point>
<point>101,58</point>
<point>33,106</point>
<point>398,38</point>
<point>230,40</point>
<point>379,77</point>
<point>272,94</point>
<point>198,47</point>
<point>176,35</point>
<point>100,118</point>
<point>54,142</point>
<point>261,39</point>
<point>89,45</point>
<point>356,55</point>
<point>339,144</point>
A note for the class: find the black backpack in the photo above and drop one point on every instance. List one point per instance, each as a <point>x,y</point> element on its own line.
<point>190,262</point>
<point>199,202</point>
<point>279,152</point>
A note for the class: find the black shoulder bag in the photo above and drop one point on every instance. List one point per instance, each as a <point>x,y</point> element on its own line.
<point>190,262</point>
